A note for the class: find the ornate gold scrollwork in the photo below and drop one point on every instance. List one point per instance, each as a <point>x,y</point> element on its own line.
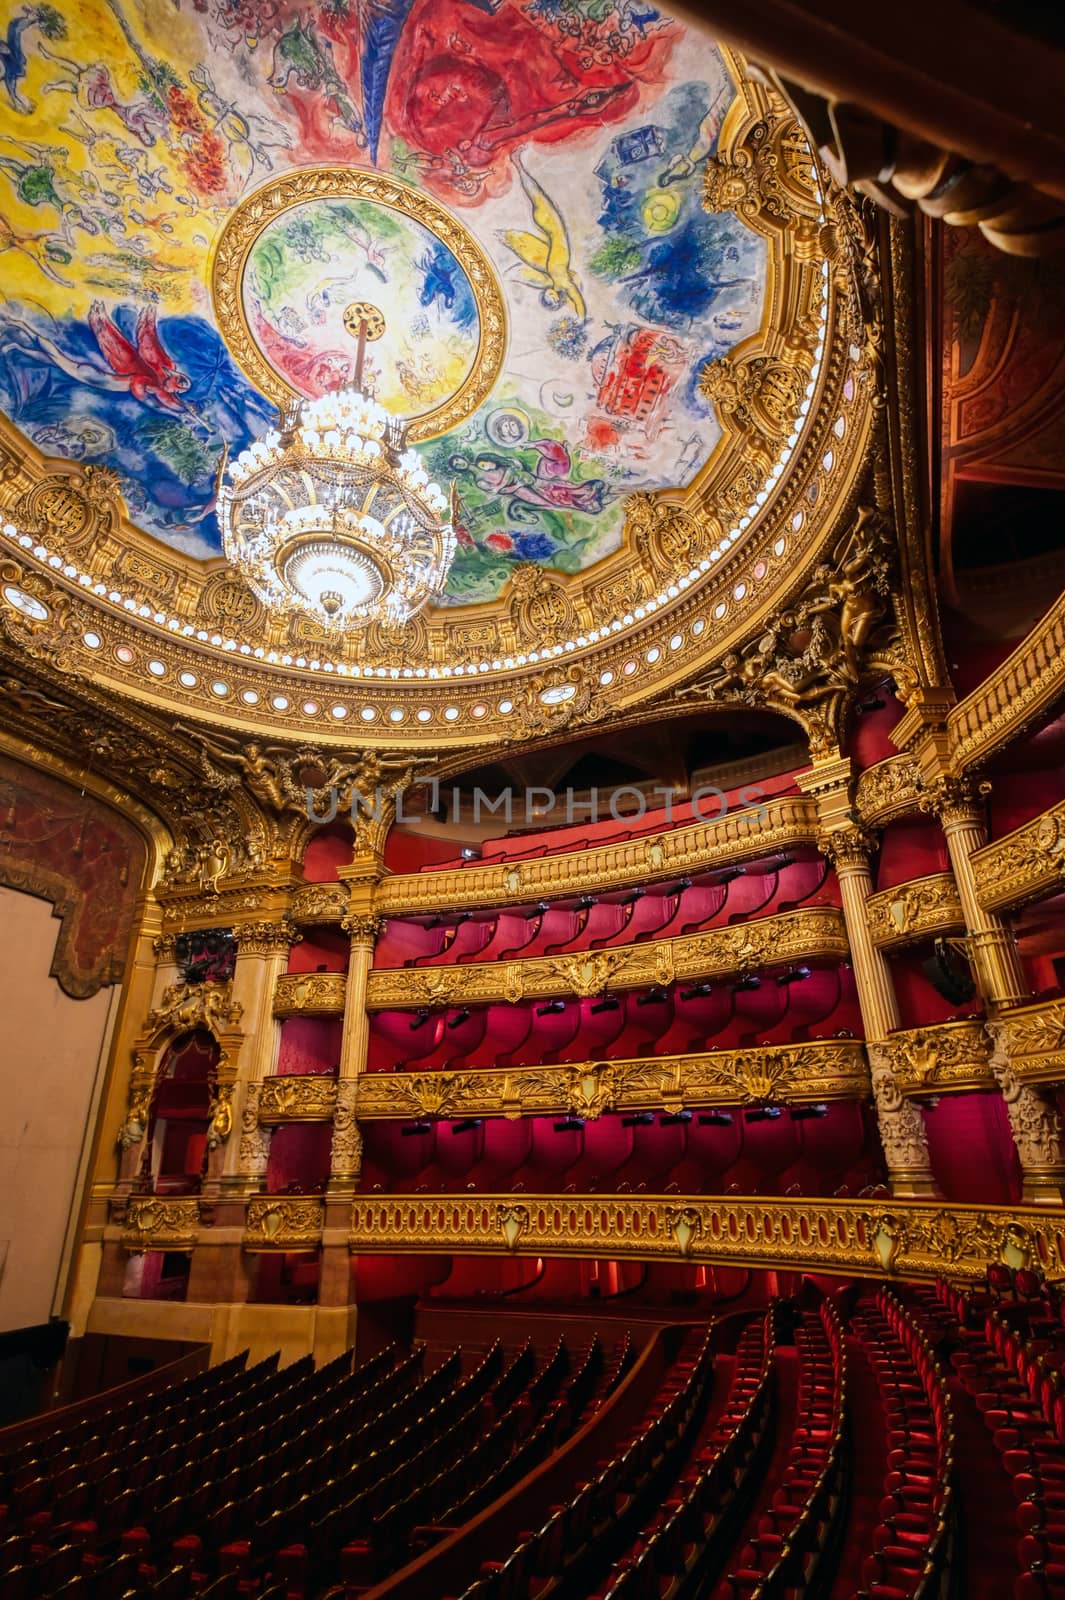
<point>866,1238</point>
<point>153,1223</point>
<point>283,1222</point>
<point>782,823</point>
<point>827,1069</point>
<point>920,909</point>
<point>792,936</point>
<point>945,1058</point>
<point>310,994</point>
<point>1027,864</point>
<point>297,1098</point>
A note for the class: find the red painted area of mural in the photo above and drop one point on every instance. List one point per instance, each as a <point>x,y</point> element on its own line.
<point>463,96</point>
<point>72,850</point>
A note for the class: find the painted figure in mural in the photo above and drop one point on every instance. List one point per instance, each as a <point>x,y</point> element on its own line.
<point>313,372</point>
<point>49,23</point>
<point>142,369</point>
<point>546,254</point>
<point>46,250</point>
<point>94,90</point>
<point>541,487</point>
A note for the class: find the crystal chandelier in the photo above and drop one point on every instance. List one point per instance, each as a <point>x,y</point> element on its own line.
<point>332,514</point>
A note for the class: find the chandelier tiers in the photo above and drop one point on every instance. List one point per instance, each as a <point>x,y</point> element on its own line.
<point>333,514</point>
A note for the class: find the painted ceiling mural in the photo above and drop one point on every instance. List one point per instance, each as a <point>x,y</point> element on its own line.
<point>567,139</point>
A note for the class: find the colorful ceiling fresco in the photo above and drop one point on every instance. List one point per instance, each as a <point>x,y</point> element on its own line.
<point>566,138</point>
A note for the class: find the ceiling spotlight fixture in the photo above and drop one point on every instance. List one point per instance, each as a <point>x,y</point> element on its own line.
<point>332,514</point>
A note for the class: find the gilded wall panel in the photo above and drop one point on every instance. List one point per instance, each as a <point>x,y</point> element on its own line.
<point>924,908</point>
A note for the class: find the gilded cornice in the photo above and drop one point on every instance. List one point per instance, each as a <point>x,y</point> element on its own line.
<point>864,1238</point>
<point>1033,1040</point>
<point>830,1069</point>
<point>779,824</point>
<point>890,789</point>
<point>1027,864</point>
<point>185,906</point>
<point>297,1098</point>
<point>283,1222</point>
<point>944,1058</point>
<point>310,994</point>
<point>923,908</point>
<point>152,1222</point>
<point>817,933</point>
<point>1027,684</point>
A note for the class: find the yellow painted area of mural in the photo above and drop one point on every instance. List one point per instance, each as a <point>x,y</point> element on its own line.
<point>110,185</point>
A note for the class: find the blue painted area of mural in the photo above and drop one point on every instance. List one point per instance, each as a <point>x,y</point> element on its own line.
<point>59,383</point>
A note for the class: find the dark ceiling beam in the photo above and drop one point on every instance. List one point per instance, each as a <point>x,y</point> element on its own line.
<point>945,72</point>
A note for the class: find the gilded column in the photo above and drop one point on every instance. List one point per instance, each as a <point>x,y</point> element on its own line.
<point>996,960</point>
<point>848,847</point>
<point>262,956</point>
<point>129,1098</point>
<point>363,928</point>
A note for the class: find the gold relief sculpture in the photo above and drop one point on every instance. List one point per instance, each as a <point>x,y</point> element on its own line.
<point>666,538</point>
<point>254,1153</point>
<point>888,790</point>
<point>756,398</point>
<point>943,1058</point>
<point>920,909</point>
<point>765,177</point>
<point>283,1222</point>
<point>152,1223</point>
<point>220,1116</point>
<point>555,699</point>
<point>311,994</point>
<point>539,607</point>
<point>865,1238</point>
<point>807,662</point>
<point>776,825</point>
<point>198,1005</point>
<point>346,1152</point>
<point>138,1110</point>
<point>80,505</point>
<point>319,902</point>
<point>228,604</point>
<point>828,1069</point>
<point>297,1098</point>
<point>791,936</point>
<point>1027,864</point>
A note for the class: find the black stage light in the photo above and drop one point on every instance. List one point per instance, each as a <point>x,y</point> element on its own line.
<point>606,1004</point>
<point>804,1113</point>
<point>699,991</point>
<point>552,1008</point>
<point>715,1119</point>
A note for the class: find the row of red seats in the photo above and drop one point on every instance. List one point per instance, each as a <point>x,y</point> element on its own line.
<point>1010,1360</point>
<point>685,1543</point>
<point>597,922</point>
<point>563,1555</point>
<point>912,1545</point>
<point>765,1008</point>
<point>796,1535</point>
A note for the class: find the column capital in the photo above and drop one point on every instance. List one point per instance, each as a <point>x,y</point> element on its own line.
<point>263,937</point>
<point>363,927</point>
<point>953,797</point>
<point>847,845</point>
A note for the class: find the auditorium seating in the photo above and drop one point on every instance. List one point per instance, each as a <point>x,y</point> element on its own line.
<point>704,1476</point>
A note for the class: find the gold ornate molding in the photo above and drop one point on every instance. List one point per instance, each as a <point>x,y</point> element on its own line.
<point>310,994</point>
<point>831,1069</point>
<point>946,1058</point>
<point>1033,1039</point>
<point>865,1238</point>
<point>153,1223</point>
<point>302,1098</point>
<point>1027,864</point>
<point>923,908</point>
<point>890,789</point>
<point>816,933</point>
<point>1026,684</point>
<point>779,824</point>
<point>283,1222</point>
